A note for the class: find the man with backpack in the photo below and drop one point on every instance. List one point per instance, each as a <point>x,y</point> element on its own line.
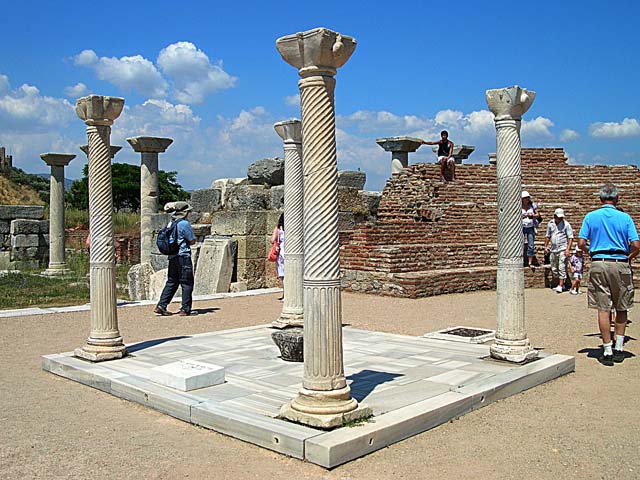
<point>175,241</point>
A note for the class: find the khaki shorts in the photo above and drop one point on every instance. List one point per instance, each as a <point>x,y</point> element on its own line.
<point>610,286</point>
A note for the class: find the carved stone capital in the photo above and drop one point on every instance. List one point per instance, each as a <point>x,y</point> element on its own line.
<point>399,144</point>
<point>509,103</point>
<point>113,149</point>
<point>316,52</point>
<point>290,130</point>
<point>57,159</point>
<point>149,144</point>
<point>98,109</point>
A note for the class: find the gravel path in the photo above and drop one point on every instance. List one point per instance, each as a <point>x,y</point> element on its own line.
<point>584,425</point>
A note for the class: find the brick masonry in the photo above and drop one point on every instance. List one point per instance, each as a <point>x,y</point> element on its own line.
<point>432,238</point>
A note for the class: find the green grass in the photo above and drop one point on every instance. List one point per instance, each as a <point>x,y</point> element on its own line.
<point>28,289</point>
<point>123,222</point>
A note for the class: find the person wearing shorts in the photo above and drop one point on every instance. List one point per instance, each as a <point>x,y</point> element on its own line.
<point>613,242</point>
<point>445,155</point>
<point>576,265</point>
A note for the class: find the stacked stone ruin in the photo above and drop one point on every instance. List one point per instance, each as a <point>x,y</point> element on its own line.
<point>24,236</point>
<point>433,238</point>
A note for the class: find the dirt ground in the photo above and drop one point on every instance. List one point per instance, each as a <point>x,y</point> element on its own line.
<point>584,425</point>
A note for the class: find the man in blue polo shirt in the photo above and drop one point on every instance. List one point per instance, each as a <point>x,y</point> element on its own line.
<point>613,242</point>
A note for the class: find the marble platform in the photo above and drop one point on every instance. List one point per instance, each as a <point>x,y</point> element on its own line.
<point>412,384</point>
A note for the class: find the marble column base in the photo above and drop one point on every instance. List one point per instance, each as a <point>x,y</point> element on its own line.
<point>100,353</point>
<point>57,271</point>
<point>324,409</point>
<point>515,351</point>
<point>288,320</point>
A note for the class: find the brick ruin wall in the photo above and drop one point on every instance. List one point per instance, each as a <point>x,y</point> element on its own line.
<point>432,238</point>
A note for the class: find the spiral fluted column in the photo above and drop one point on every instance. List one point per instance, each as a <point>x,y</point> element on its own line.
<point>104,342</point>
<point>324,400</point>
<point>57,260</point>
<point>293,309</point>
<point>508,105</point>
<point>148,147</point>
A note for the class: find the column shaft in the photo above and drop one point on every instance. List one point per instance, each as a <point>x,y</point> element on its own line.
<point>57,261</point>
<point>149,193</point>
<point>399,160</point>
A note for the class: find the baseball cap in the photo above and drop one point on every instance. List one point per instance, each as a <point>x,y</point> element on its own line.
<point>559,213</point>
<point>525,194</point>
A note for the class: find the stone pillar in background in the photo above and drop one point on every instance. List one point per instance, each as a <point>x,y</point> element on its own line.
<point>324,400</point>
<point>104,342</point>
<point>399,148</point>
<point>57,261</point>
<point>148,147</point>
<point>508,105</point>
<point>293,309</point>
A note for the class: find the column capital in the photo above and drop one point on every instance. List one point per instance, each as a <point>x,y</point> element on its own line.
<point>113,149</point>
<point>399,144</point>
<point>149,144</point>
<point>509,103</point>
<point>98,109</point>
<point>57,159</point>
<point>316,52</point>
<point>289,130</point>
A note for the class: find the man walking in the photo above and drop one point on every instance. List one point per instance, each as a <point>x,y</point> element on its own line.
<point>557,243</point>
<point>180,271</point>
<point>613,243</point>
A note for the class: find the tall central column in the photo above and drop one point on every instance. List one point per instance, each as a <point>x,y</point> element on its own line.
<point>508,105</point>
<point>324,400</point>
<point>57,260</point>
<point>148,147</point>
<point>104,342</point>
<point>293,309</point>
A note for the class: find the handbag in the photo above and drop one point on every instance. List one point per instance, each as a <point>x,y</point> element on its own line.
<point>274,252</point>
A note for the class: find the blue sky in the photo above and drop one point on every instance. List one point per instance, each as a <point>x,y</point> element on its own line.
<point>208,75</point>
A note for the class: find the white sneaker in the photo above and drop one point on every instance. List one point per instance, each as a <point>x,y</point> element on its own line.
<point>558,289</point>
<point>573,292</point>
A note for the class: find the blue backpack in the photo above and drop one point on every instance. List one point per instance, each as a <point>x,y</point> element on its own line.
<point>168,239</point>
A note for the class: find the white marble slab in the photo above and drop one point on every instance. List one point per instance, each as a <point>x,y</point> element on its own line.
<point>187,375</point>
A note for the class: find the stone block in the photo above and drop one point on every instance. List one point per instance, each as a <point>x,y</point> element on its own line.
<point>239,223</point>
<point>251,272</point>
<point>370,201</point>
<point>11,212</point>
<point>206,200</point>
<point>159,261</point>
<point>236,287</point>
<point>26,227</point>
<point>187,375</point>
<point>5,227</point>
<point>248,197</point>
<point>24,241</point>
<point>346,221</point>
<point>156,284</point>
<point>5,241</point>
<point>268,171</point>
<point>252,246</point>
<point>5,261</point>
<point>139,277</point>
<point>352,179</point>
<point>271,279</point>
<point>277,197</point>
<point>349,201</point>
<point>44,226</point>
<point>272,220</point>
<point>215,266</point>
<point>201,230</point>
<point>159,221</point>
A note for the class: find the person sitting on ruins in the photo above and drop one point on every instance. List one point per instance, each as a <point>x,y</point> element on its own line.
<point>557,243</point>
<point>530,220</point>
<point>445,155</point>
<point>180,272</point>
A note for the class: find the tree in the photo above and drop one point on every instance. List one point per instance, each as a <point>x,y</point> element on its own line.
<point>126,188</point>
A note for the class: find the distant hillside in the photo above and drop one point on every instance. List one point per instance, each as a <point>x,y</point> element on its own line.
<point>67,181</point>
<point>13,194</point>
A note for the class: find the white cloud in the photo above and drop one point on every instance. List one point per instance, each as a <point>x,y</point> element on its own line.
<point>568,135</point>
<point>77,90</point>
<point>537,129</point>
<point>134,73</point>
<point>193,74</point>
<point>25,110</point>
<point>629,127</point>
<point>292,100</point>
<point>448,117</point>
